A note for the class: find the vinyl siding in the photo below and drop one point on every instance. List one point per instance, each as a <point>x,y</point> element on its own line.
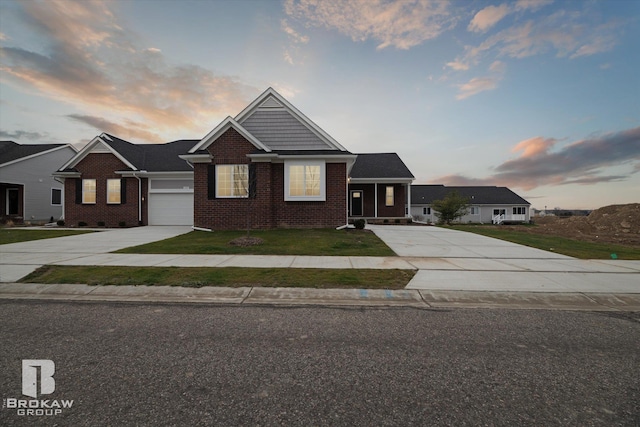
<point>279,130</point>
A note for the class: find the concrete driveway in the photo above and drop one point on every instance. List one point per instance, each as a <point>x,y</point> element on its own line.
<point>451,260</point>
<point>19,259</point>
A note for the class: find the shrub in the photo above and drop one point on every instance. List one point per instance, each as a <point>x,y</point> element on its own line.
<point>122,224</point>
<point>359,223</point>
<point>100,223</point>
<point>386,221</point>
<point>82,224</point>
<point>397,221</point>
<point>60,223</point>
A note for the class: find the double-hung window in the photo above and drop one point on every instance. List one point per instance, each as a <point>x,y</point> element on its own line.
<point>89,191</point>
<point>56,197</point>
<point>113,191</point>
<point>388,196</point>
<point>232,181</point>
<point>305,181</point>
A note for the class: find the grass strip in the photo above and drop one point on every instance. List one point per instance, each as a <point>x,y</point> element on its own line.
<point>197,277</point>
<point>312,242</point>
<point>562,245</point>
<point>13,235</point>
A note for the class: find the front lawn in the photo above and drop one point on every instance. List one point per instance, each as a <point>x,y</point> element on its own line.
<point>16,235</point>
<point>574,248</point>
<point>314,242</point>
<point>228,276</point>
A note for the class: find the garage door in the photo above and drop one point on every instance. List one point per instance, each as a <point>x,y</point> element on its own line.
<point>171,209</point>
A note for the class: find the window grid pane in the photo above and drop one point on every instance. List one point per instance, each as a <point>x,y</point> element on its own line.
<point>312,181</point>
<point>113,191</point>
<point>89,191</point>
<point>232,181</point>
<point>296,181</point>
<point>389,196</point>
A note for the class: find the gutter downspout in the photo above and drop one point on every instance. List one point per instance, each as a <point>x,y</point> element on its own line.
<point>139,198</point>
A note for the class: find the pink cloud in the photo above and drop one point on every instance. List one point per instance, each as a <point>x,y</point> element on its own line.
<point>487,18</point>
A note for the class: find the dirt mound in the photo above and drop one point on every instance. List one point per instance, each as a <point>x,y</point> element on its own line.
<point>610,224</point>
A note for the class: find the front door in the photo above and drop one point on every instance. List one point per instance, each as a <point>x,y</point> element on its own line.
<point>356,202</point>
<point>13,201</point>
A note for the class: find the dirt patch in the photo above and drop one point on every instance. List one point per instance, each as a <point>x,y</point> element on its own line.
<point>611,224</point>
<point>246,241</point>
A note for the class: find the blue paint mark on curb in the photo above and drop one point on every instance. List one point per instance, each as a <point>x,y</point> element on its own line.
<point>364,293</point>
<point>388,293</point>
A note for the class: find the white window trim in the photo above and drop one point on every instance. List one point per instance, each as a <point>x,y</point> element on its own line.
<point>218,196</point>
<point>119,202</point>
<point>95,193</point>
<point>323,181</point>
<point>61,196</point>
<point>474,210</point>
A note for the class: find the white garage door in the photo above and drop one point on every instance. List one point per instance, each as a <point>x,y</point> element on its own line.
<point>171,209</point>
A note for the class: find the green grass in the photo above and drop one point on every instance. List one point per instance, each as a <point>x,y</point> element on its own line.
<point>314,242</point>
<point>561,245</point>
<point>16,235</point>
<point>228,276</point>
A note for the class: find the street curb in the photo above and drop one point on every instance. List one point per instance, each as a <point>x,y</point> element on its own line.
<point>251,296</point>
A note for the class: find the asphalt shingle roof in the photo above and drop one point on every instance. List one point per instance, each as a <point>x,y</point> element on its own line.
<point>154,157</point>
<point>10,151</point>
<point>479,195</point>
<point>380,165</point>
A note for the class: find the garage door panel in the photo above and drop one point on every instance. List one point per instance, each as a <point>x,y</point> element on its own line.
<point>171,209</point>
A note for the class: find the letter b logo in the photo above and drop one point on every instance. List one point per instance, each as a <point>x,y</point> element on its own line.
<point>30,377</point>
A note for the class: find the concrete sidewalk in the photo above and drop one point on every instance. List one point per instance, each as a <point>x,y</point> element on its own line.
<point>446,260</point>
<point>324,297</point>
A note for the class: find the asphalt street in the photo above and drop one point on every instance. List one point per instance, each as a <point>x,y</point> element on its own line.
<point>166,364</point>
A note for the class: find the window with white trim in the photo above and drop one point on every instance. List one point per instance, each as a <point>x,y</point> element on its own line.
<point>519,210</point>
<point>474,210</point>
<point>388,197</point>
<point>304,181</point>
<point>113,191</point>
<point>426,211</point>
<point>89,191</point>
<point>232,181</point>
<point>56,197</point>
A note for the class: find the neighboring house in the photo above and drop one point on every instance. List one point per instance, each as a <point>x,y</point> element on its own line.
<point>487,204</point>
<point>28,193</point>
<point>270,166</point>
<point>378,187</point>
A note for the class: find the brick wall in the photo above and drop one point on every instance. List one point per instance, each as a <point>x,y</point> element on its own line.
<point>268,209</point>
<point>102,166</point>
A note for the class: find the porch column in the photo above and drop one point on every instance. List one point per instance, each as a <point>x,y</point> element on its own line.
<point>409,200</point>
<point>375,199</point>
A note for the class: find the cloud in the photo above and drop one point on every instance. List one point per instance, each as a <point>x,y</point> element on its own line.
<point>532,5</point>
<point>401,24</point>
<point>487,18</point>
<point>21,135</point>
<point>130,131</point>
<point>572,34</point>
<point>581,162</point>
<point>482,84</point>
<point>90,61</point>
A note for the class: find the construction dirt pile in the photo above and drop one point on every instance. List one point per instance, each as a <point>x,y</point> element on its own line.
<point>610,224</point>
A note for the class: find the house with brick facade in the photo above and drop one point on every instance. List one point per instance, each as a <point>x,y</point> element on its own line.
<point>268,167</point>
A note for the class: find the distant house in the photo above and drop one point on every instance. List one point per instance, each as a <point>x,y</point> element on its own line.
<point>268,167</point>
<point>487,204</point>
<point>28,192</point>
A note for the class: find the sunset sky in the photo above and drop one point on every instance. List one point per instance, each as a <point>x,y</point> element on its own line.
<point>541,96</point>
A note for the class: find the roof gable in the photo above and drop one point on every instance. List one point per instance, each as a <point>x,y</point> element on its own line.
<point>281,126</point>
<point>224,126</point>
<point>12,152</point>
<point>370,166</point>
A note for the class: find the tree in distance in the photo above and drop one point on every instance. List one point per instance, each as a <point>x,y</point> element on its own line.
<point>453,206</point>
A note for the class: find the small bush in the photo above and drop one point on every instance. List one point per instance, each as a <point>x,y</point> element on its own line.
<point>397,221</point>
<point>100,223</point>
<point>82,224</point>
<point>122,224</point>
<point>51,220</point>
<point>359,223</point>
<point>60,223</point>
<point>386,221</point>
